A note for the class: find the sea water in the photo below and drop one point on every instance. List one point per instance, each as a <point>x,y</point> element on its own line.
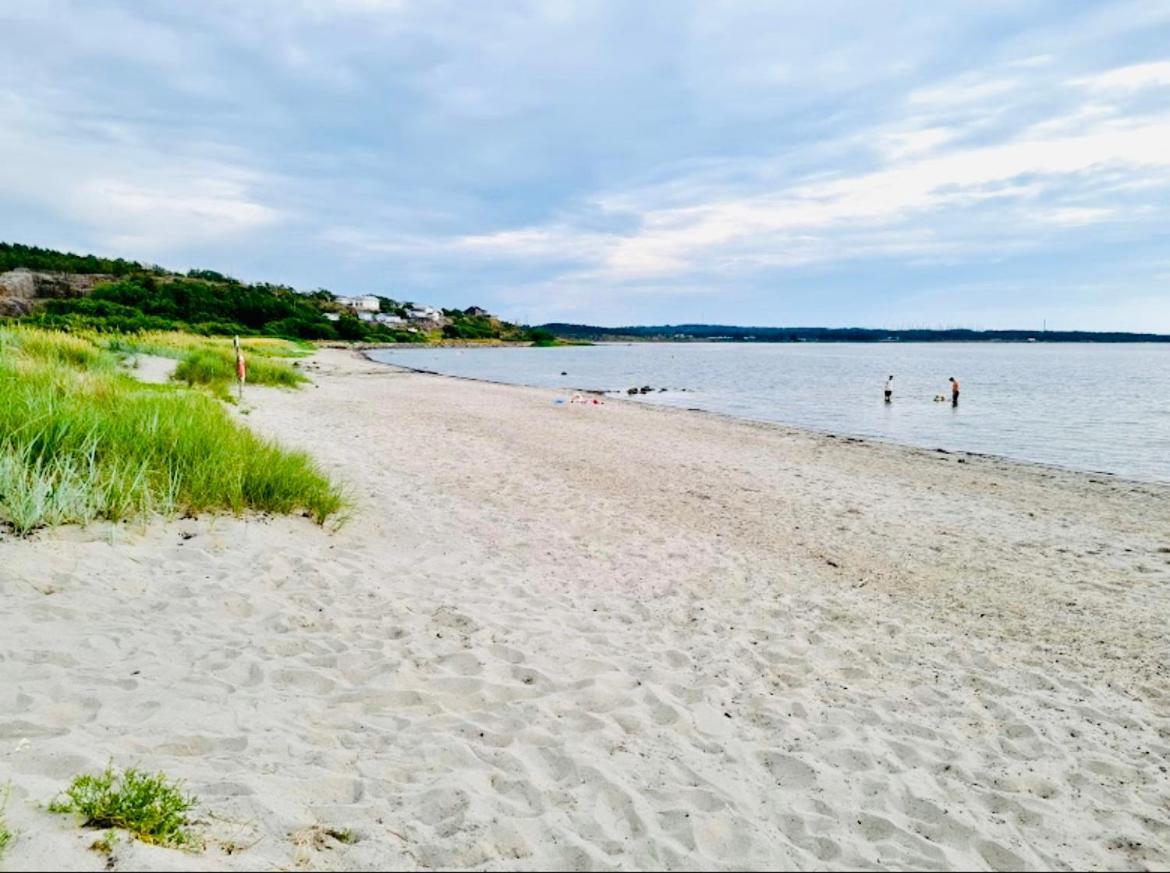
<point>1087,406</point>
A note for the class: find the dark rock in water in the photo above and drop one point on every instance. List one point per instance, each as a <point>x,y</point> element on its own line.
<point>660,390</point>
<point>631,390</point>
<point>563,373</point>
<point>646,389</point>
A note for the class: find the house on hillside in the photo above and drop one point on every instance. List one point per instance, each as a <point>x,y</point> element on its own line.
<point>476,312</point>
<point>387,318</point>
<point>366,303</point>
<point>423,313</point>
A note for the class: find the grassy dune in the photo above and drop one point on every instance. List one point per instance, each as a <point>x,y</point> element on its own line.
<point>80,440</point>
<point>217,368</point>
<point>174,345</point>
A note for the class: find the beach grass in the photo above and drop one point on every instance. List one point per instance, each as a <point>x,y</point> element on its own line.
<point>175,344</point>
<point>216,368</point>
<point>81,441</point>
<point>150,806</point>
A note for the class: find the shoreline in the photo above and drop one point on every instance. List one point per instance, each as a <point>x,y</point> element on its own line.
<point>606,637</point>
<point>615,395</point>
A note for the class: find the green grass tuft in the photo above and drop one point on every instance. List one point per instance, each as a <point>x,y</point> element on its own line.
<point>53,347</point>
<point>151,807</point>
<point>217,368</point>
<point>105,845</point>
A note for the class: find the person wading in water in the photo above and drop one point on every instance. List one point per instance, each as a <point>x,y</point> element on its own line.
<point>889,389</point>
<point>954,391</point>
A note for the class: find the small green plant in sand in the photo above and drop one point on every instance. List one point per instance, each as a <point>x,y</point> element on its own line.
<point>151,807</point>
<point>105,845</point>
<point>5,833</point>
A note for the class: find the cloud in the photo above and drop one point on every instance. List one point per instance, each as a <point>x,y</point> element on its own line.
<point>1131,78</point>
<point>779,227</point>
<point>134,197</point>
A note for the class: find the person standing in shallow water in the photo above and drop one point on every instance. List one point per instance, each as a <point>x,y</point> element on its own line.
<point>889,389</point>
<point>954,391</point>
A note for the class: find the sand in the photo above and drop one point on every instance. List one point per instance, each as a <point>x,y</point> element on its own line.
<point>606,637</point>
<point>151,368</point>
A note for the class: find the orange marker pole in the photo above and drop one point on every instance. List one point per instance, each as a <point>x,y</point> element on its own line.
<point>241,368</point>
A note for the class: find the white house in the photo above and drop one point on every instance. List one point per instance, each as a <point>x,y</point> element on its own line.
<point>368,303</point>
<point>387,318</point>
<point>423,313</point>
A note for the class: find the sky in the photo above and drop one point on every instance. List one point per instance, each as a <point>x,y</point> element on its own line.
<point>983,164</point>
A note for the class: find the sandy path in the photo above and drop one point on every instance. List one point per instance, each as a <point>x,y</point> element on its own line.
<point>152,368</point>
<point>610,637</point>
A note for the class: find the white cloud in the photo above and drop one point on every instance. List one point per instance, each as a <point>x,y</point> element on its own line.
<point>1071,216</point>
<point>187,205</point>
<point>1131,78</point>
<point>891,211</point>
<point>971,88</point>
<point>1035,176</point>
<point>140,197</point>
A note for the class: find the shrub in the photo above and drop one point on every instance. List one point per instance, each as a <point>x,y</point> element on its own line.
<point>350,328</point>
<point>151,807</point>
<point>470,327</point>
<point>540,336</point>
<point>301,328</point>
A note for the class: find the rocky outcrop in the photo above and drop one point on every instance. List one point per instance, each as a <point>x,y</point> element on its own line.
<point>22,289</point>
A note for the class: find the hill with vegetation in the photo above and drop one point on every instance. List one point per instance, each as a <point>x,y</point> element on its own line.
<point>728,333</point>
<point>60,290</point>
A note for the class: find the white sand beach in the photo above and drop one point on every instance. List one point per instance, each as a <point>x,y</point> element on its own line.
<point>606,637</point>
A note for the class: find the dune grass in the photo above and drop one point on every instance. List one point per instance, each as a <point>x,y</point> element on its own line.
<point>173,344</point>
<point>150,806</point>
<point>81,441</point>
<point>217,368</point>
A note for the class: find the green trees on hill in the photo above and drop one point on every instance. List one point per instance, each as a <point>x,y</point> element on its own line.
<point>13,255</point>
<point>147,298</point>
<point>469,324</point>
<point>147,302</point>
<point>142,298</point>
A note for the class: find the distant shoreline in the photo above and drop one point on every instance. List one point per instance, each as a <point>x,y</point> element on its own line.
<point>747,334</point>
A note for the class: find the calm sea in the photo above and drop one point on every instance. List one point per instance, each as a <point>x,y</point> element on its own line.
<point>1100,407</point>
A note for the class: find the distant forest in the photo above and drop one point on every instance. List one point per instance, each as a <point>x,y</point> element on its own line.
<point>726,333</point>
